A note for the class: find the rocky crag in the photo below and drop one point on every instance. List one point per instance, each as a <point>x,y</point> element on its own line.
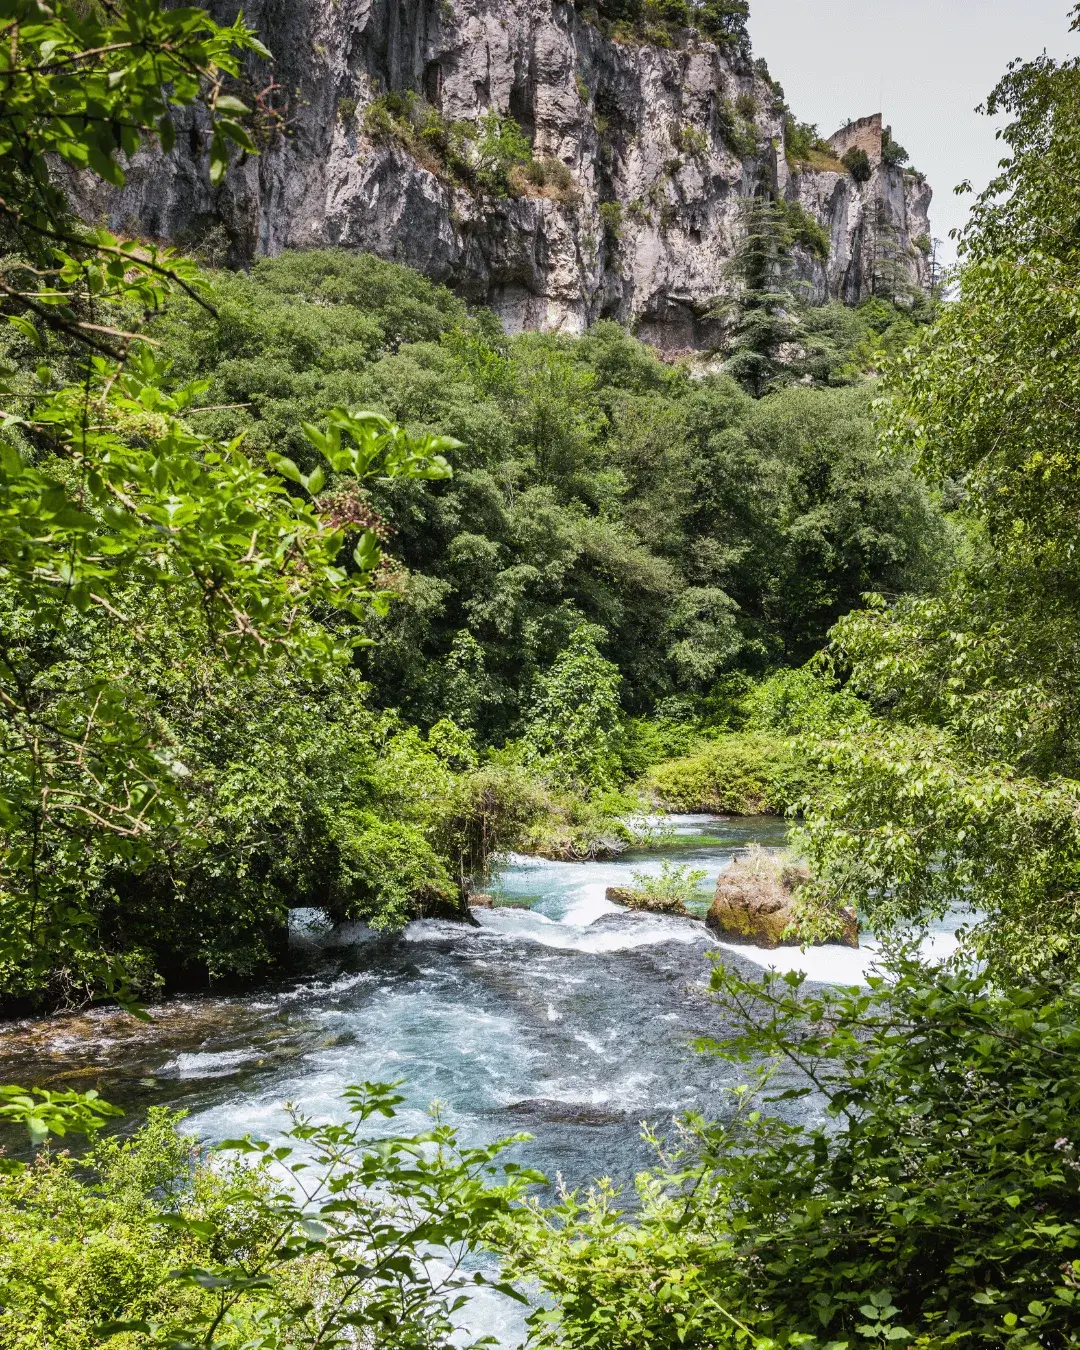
<point>647,151</point>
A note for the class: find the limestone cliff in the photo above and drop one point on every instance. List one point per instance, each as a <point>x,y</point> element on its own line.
<point>660,144</point>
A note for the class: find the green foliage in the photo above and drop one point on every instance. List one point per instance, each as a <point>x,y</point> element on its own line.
<point>765,321</point>
<point>742,774</point>
<point>892,153</point>
<point>676,888</point>
<point>112,497</point>
<point>804,147</point>
<point>405,119</point>
<point>722,21</point>
<point>612,220</point>
<point>478,155</point>
<point>688,140</point>
<point>81,1245</point>
<point>385,1223</point>
<point>935,1205</point>
<point>92,782</point>
<point>746,756</point>
<point>553,178</point>
<point>965,789</point>
<point>500,146</point>
<point>46,1112</point>
<point>575,715</point>
<point>178,775</point>
<point>87,87</point>
<point>146,1243</point>
<point>807,232</point>
<point>598,484</point>
<point>740,135</point>
<point>797,702</point>
<point>773,337</point>
<point>857,163</point>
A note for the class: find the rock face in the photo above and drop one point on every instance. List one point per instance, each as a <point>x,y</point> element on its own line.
<point>753,905</point>
<point>661,144</point>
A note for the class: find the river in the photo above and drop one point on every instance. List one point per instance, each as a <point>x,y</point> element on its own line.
<point>569,1018</point>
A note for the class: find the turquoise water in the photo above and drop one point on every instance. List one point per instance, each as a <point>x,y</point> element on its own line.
<point>570,1018</point>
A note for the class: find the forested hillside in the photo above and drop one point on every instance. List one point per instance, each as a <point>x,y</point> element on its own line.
<point>687,536</point>
<point>703,531</point>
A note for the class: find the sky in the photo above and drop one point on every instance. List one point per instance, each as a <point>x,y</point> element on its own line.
<point>924,64</point>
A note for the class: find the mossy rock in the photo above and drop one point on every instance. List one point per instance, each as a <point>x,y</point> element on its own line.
<point>755,904</point>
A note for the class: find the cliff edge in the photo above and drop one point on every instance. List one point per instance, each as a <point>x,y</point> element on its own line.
<point>629,210</point>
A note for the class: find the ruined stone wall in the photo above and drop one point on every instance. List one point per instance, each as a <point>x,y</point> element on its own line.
<point>865,134</point>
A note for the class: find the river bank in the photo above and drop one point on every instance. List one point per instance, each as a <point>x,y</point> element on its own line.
<point>560,1014</point>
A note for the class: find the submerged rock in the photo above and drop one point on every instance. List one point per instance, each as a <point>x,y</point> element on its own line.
<point>755,904</point>
<point>564,1113</point>
<point>631,899</point>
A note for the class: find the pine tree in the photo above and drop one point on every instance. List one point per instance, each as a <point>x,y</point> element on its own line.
<point>765,307</point>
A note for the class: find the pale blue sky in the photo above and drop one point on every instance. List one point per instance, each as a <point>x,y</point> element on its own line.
<point>925,63</point>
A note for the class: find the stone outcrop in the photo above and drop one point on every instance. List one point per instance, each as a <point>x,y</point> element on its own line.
<point>660,144</point>
<point>644,900</point>
<point>866,134</point>
<point>754,904</point>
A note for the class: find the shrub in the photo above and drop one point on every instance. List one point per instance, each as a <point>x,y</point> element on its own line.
<point>688,140</point>
<point>797,702</point>
<point>81,1241</point>
<point>739,135</point>
<point>934,1206</point>
<point>148,1242</point>
<point>547,177</point>
<point>893,153</point>
<point>499,147</point>
<point>723,21</point>
<point>480,156</point>
<point>676,888</point>
<point>857,163</point>
<point>742,775</point>
<point>746,105</point>
<point>804,147</point>
<point>611,216</point>
<point>806,231</point>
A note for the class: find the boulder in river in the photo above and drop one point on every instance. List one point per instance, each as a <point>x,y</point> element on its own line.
<point>481,901</point>
<point>755,904</point>
<point>658,904</point>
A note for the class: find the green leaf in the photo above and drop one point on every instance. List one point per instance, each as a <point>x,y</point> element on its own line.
<point>26,328</point>
<point>285,467</point>
<point>237,134</point>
